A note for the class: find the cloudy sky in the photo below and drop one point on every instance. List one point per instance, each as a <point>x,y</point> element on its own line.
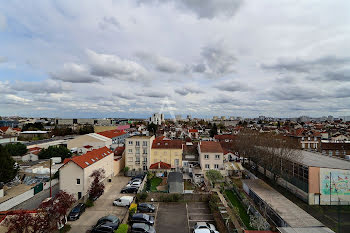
<point>201,57</point>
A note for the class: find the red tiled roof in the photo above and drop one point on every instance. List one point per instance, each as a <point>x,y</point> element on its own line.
<point>160,165</point>
<point>112,133</point>
<point>34,150</point>
<point>211,147</point>
<point>88,146</point>
<point>193,130</point>
<point>119,151</point>
<point>225,137</point>
<point>17,129</point>
<point>89,158</point>
<point>167,144</point>
<point>4,128</point>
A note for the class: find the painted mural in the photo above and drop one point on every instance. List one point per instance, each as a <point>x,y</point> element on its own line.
<point>335,181</point>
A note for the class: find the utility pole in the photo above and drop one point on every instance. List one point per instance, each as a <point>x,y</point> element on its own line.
<point>330,188</point>
<point>50,178</point>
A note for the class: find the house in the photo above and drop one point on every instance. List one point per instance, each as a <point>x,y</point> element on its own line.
<point>31,155</point>
<point>117,136</point>
<point>168,151</point>
<point>335,148</point>
<point>211,155</point>
<point>137,149</point>
<point>92,139</point>
<point>175,182</point>
<point>160,168</point>
<point>6,130</point>
<point>76,171</point>
<point>193,133</point>
<point>225,138</point>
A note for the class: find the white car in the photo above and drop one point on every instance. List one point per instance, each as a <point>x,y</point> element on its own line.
<point>204,231</point>
<point>123,201</point>
<point>134,184</point>
<point>134,180</point>
<point>204,225</point>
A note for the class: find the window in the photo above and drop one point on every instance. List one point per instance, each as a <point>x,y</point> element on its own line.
<point>145,159</point>
<point>130,159</point>
<point>130,142</point>
<point>144,143</point>
<point>78,181</point>
<point>137,159</point>
<point>137,150</point>
<point>137,143</point>
<point>130,150</point>
<point>217,156</point>
<point>87,163</point>
<point>176,161</point>
<point>144,151</point>
<point>206,156</point>
<point>207,166</point>
<point>216,166</point>
<point>79,195</point>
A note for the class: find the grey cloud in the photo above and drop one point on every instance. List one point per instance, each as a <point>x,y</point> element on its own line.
<point>74,73</point>
<point>188,90</point>
<point>205,8</point>
<point>47,86</point>
<point>112,66</point>
<point>161,63</point>
<point>338,75</point>
<point>123,95</point>
<point>3,59</point>
<point>219,59</point>
<point>294,92</point>
<point>232,86</point>
<point>153,94</point>
<point>109,21</point>
<point>305,66</point>
<point>199,68</point>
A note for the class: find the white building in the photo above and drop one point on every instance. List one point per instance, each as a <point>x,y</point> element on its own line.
<point>93,140</point>
<point>211,155</point>
<point>157,118</point>
<point>138,152</point>
<point>76,171</point>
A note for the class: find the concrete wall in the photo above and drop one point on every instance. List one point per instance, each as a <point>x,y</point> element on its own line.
<point>119,165</point>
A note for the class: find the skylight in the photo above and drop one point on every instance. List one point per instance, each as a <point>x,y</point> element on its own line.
<point>87,163</point>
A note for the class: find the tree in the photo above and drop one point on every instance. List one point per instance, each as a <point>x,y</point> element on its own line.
<point>16,149</point>
<point>213,131</point>
<point>214,176</point>
<point>19,222</point>
<point>61,131</point>
<point>55,151</point>
<point>33,126</point>
<point>55,209</point>
<point>152,128</point>
<point>85,129</point>
<point>97,187</point>
<point>8,171</point>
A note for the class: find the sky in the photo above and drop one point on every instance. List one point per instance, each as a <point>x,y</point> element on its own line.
<point>132,58</point>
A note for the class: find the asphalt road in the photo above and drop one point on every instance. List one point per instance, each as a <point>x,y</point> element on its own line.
<point>102,206</point>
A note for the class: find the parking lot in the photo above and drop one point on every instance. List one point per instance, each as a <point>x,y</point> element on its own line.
<point>103,206</point>
<point>181,217</point>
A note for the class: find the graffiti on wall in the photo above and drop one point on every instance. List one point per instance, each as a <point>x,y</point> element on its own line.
<point>334,181</point>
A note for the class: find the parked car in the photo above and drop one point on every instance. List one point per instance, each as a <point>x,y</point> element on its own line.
<point>204,225</point>
<point>142,218</point>
<point>123,201</point>
<point>108,218</point>
<point>134,180</point>
<point>129,190</point>
<point>134,183</point>
<point>142,228</point>
<point>146,208</point>
<point>107,227</point>
<point>97,196</point>
<point>204,231</point>
<point>138,177</point>
<point>76,212</point>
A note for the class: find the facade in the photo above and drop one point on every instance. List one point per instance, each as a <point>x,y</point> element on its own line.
<point>138,152</point>
<point>211,155</point>
<point>74,174</point>
<point>167,151</point>
<point>91,139</point>
<point>157,118</point>
<point>335,148</point>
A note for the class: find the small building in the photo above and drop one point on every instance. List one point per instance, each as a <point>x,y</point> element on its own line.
<point>175,182</point>
<point>160,168</point>
<point>31,155</point>
<point>211,155</point>
<point>92,139</point>
<point>168,151</point>
<point>118,136</point>
<point>33,134</point>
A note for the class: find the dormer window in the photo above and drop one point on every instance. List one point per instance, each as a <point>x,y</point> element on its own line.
<point>87,163</point>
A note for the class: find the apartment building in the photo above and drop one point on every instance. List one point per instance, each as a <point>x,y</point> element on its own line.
<point>138,152</point>
<point>211,155</point>
<point>76,171</point>
<point>157,118</point>
<point>167,151</point>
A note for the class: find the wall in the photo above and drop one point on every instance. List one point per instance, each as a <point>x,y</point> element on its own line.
<point>211,161</point>
<point>167,156</point>
<point>119,165</point>
<point>69,174</point>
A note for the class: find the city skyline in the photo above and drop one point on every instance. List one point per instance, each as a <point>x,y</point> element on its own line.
<point>124,59</point>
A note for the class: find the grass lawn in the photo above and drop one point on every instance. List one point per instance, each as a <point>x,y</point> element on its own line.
<point>242,212</point>
<point>188,185</point>
<point>155,181</point>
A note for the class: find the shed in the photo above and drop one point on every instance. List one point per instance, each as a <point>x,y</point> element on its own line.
<point>175,182</point>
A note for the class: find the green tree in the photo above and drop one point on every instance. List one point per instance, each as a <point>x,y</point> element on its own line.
<point>213,131</point>
<point>152,128</point>
<point>85,129</point>
<point>7,165</point>
<point>33,126</point>
<point>55,151</point>
<point>214,176</point>
<point>16,149</point>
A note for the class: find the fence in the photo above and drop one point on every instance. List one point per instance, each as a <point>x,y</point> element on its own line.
<point>144,181</point>
<point>14,201</point>
<point>194,197</point>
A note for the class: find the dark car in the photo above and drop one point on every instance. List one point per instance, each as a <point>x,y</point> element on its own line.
<point>76,212</point>
<point>138,177</point>
<point>142,218</point>
<point>146,208</point>
<point>142,228</point>
<point>131,189</point>
<point>108,218</point>
<point>97,196</point>
<point>107,227</point>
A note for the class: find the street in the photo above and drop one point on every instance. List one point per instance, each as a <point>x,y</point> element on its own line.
<point>102,206</point>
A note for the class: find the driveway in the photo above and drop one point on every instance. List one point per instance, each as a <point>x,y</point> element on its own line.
<point>171,218</point>
<point>102,206</point>
<point>198,212</point>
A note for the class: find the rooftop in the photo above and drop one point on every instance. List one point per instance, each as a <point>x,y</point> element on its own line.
<point>292,214</point>
<point>313,159</point>
<point>211,147</point>
<point>89,158</point>
<point>112,133</point>
<point>167,144</point>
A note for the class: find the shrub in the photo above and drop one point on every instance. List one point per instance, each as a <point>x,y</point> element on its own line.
<point>123,228</point>
<point>126,169</point>
<point>141,196</point>
<point>170,198</point>
<point>213,200</point>
<point>65,229</point>
<point>89,203</point>
<point>132,209</point>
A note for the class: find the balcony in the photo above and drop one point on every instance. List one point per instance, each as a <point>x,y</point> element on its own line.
<point>137,162</point>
